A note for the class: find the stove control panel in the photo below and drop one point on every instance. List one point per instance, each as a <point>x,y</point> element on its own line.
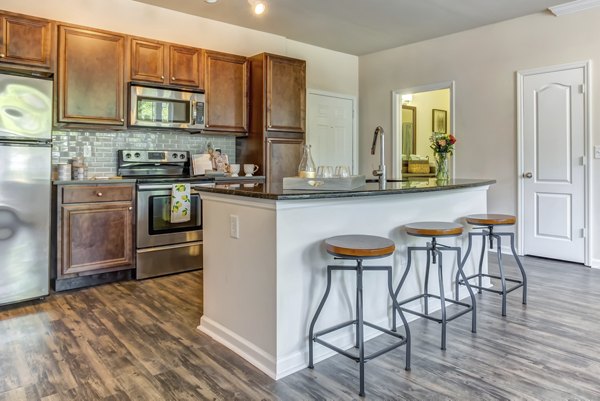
<point>154,156</point>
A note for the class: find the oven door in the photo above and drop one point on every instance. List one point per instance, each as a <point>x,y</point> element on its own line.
<point>154,227</point>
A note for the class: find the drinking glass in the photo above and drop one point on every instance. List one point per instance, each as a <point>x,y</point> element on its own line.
<point>325,172</point>
<point>342,171</point>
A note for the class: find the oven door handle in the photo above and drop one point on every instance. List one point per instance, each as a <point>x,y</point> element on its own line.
<point>163,187</point>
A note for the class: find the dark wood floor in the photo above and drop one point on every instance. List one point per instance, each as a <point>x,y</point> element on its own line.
<point>138,341</point>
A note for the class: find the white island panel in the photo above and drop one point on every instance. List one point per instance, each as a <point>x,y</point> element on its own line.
<point>262,289</point>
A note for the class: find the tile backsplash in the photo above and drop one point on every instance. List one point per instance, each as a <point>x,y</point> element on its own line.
<point>103,162</point>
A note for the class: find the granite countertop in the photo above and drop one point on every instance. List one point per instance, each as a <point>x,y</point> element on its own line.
<point>275,191</point>
<point>93,181</point>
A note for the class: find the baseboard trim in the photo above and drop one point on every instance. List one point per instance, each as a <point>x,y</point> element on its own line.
<point>244,348</point>
<point>595,263</point>
<point>278,368</point>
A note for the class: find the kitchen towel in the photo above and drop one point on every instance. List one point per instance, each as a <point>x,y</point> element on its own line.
<point>180,203</point>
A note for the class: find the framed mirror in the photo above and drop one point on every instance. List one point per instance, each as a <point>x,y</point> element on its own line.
<point>409,130</point>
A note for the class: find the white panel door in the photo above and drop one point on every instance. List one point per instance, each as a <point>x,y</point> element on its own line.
<point>330,130</point>
<point>554,174</point>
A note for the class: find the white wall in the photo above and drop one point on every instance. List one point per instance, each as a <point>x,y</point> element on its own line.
<point>483,63</point>
<point>326,69</point>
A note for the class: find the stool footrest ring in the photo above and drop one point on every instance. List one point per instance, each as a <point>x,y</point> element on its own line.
<point>356,358</point>
<point>512,280</point>
<point>468,308</point>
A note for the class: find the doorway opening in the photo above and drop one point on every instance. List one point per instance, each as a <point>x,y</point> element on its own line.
<point>417,112</point>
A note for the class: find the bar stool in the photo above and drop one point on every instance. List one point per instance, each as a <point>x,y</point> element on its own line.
<point>434,251</point>
<point>359,248</point>
<point>487,223</point>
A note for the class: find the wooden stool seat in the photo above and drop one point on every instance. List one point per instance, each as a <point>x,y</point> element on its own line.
<point>434,229</point>
<point>359,246</point>
<point>491,219</point>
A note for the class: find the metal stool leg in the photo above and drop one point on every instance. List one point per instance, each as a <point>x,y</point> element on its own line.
<point>501,269</point>
<point>442,298</point>
<point>463,261</point>
<point>357,334</point>
<point>426,285</point>
<point>408,263</point>
<point>396,307</point>
<point>314,320</point>
<point>523,275</point>
<point>461,271</point>
<point>481,256</point>
<point>360,327</point>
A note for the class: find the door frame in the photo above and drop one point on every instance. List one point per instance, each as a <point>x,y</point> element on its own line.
<point>354,101</point>
<point>397,122</point>
<point>587,156</point>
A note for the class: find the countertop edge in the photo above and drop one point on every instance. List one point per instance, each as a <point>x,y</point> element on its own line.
<point>342,194</point>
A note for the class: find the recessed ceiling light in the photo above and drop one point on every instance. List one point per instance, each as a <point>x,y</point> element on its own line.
<point>211,1</point>
<point>258,6</point>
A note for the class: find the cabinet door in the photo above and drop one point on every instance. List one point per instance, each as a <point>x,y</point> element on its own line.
<point>184,66</point>
<point>286,94</point>
<point>96,236</point>
<point>226,81</point>
<point>25,41</point>
<point>147,61</point>
<point>283,158</point>
<point>90,81</point>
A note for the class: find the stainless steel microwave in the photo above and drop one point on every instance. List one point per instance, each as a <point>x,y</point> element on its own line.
<point>165,108</point>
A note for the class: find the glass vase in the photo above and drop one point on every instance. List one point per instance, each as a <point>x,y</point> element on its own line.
<point>441,162</point>
<point>307,167</point>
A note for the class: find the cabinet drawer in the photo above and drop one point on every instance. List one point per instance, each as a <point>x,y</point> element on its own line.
<point>97,193</point>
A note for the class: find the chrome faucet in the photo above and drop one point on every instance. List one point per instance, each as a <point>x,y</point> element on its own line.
<point>381,172</point>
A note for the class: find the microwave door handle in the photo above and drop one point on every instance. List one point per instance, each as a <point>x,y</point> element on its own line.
<point>194,113</point>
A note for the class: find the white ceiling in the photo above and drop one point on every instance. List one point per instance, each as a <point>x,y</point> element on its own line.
<point>360,26</point>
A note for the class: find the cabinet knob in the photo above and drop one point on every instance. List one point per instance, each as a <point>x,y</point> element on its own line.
<point>99,194</point>
<point>172,78</point>
<point>162,77</point>
<point>130,208</point>
<point>122,120</point>
<point>2,55</point>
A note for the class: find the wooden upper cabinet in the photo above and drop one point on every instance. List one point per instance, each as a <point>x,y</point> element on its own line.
<point>147,61</point>
<point>226,80</point>
<point>90,76</point>
<point>285,94</point>
<point>184,66</point>
<point>25,41</point>
<point>164,63</point>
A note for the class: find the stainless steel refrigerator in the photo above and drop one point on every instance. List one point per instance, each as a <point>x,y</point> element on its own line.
<point>25,187</point>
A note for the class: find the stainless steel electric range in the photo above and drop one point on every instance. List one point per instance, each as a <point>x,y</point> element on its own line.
<point>163,247</point>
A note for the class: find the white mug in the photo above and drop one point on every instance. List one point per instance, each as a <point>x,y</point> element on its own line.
<point>250,169</point>
<point>234,169</point>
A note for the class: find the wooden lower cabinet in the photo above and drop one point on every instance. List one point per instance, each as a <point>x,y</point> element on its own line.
<point>95,226</point>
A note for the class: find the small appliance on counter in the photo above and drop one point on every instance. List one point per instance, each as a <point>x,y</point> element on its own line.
<point>25,187</point>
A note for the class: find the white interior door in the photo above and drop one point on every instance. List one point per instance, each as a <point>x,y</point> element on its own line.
<point>553,164</point>
<point>331,129</point>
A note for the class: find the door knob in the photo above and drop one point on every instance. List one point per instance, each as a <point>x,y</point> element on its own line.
<point>527,175</point>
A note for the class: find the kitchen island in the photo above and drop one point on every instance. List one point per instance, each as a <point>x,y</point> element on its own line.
<point>264,262</point>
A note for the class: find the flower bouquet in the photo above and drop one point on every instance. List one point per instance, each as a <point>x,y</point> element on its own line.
<point>442,146</point>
